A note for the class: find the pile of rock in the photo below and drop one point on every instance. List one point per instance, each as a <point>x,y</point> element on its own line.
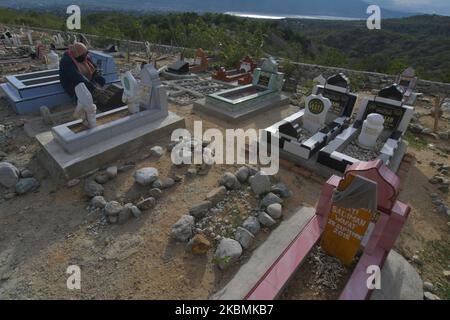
<point>18,182</point>
<point>441,178</point>
<point>204,224</point>
<point>429,289</point>
<point>116,212</point>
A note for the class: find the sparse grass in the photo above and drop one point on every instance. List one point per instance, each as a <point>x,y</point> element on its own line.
<point>436,259</point>
<point>415,141</point>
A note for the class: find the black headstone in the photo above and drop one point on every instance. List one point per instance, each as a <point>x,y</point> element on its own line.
<point>339,80</point>
<point>393,92</point>
<point>179,67</point>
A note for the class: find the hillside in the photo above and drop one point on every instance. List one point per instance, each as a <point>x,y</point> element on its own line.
<point>420,41</point>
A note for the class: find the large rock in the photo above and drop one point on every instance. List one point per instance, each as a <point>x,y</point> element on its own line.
<point>27,185</point>
<point>242,174</point>
<point>146,204</point>
<point>164,183</point>
<point>230,181</point>
<point>156,151</point>
<point>227,253</point>
<point>93,189</point>
<point>199,245</point>
<point>252,224</point>
<point>98,202</point>
<point>399,280</point>
<point>9,175</point>
<point>217,195</point>
<point>201,209</point>
<point>260,183</point>
<point>281,190</point>
<point>270,199</point>
<point>113,208</point>
<point>182,229</point>
<point>275,210</point>
<point>266,220</point>
<point>244,237</point>
<point>146,176</point>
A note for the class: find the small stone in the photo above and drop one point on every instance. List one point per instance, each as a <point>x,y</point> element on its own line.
<point>242,174</point>
<point>252,225</point>
<point>146,204</point>
<point>428,286</point>
<point>126,167</point>
<point>27,185</point>
<point>430,296</point>
<point>101,177</point>
<point>275,210</point>
<point>182,229</point>
<point>136,212</point>
<point>217,195</point>
<point>146,176</point>
<point>230,181</point>
<point>260,183</point>
<point>177,178</point>
<point>112,172</point>
<point>200,210</point>
<point>25,173</point>
<point>156,151</point>
<point>446,273</point>
<point>93,189</point>
<point>125,214</point>
<point>9,175</point>
<point>167,183</point>
<point>72,183</point>
<point>444,188</point>
<point>155,193</point>
<point>269,199</point>
<point>228,252</point>
<point>281,190</point>
<point>266,220</point>
<point>98,202</point>
<point>416,259</point>
<point>191,172</point>
<point>199,245</point>
<point>244,237</point>
<point>113,208</point>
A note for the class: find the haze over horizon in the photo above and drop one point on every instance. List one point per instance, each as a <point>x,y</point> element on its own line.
<point>342,8</point>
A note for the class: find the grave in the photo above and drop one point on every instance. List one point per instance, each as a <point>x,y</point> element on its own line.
<point>364,141</point>
<point>357,215</point>
<point>75,148</point>
<point>29,91</point>
<point>181,69</point>
<point>239,103</point>
<point>407,81</point>
<point>326,112</point>
<point>242,74</point>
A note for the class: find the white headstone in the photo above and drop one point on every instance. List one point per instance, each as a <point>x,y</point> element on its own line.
<point>371,130</point>
<point>153,93</point>
<point>130,92</point>
<point>320,80</point>
<point>316,110</point>
<point>86,109</point>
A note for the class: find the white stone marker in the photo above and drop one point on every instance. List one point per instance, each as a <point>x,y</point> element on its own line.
<point>86,109</point>
<point>316,111</point>
<point>371,130</point>
<point>130,92</point>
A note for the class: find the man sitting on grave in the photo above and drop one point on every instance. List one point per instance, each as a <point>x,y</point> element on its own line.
<point>76,67</point>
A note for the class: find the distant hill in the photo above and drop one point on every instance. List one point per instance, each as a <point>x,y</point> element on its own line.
<point>341,8</point>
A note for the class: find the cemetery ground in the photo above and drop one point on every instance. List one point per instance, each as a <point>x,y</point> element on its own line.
<point>43,232</point>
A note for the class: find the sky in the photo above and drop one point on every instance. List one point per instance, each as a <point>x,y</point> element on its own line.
<point>426,6</point>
